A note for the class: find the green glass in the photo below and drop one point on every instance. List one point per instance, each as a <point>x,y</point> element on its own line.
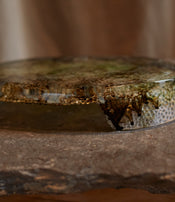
<point>86,94</point>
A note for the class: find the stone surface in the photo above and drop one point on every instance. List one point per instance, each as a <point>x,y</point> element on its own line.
<point>66,163</point>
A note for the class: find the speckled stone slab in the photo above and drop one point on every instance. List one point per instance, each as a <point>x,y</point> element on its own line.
<point>41,163</point>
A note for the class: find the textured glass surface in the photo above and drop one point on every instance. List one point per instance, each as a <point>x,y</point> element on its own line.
<point>84,94</point>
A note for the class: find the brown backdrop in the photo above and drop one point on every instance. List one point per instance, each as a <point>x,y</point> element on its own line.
<point>51,28</point>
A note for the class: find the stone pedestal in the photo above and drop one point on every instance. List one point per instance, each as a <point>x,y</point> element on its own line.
<point>75,162</point>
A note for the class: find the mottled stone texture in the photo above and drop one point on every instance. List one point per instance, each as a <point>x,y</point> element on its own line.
<point>66,163</point>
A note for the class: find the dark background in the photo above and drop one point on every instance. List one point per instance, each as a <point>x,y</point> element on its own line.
<point>52,28</point>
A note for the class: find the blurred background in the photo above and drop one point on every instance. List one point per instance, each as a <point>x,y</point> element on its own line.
<point>53,28</point>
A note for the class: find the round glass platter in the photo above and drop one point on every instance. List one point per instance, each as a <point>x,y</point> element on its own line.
<point>86,94</point>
